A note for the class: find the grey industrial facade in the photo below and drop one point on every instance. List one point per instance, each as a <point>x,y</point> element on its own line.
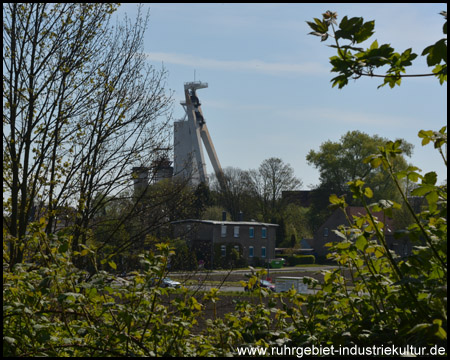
<point>211,239</point>
<point>189,133</point>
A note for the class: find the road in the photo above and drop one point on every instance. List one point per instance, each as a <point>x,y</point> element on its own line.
<point>240,274</point>
<point>209,287</point>
<point>225,288</point>
<point>289,269</point>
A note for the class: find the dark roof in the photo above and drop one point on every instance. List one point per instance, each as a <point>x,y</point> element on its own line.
<point>216,222</point>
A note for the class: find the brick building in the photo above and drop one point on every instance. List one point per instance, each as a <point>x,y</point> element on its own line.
<point>325,233</point>
<point>213,241</point>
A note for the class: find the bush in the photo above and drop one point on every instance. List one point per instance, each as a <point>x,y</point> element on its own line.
<point>258,262</point>
<point>232,259</point>
<point>51,308</point>
<point>301,260</point>
<point>406,298</point>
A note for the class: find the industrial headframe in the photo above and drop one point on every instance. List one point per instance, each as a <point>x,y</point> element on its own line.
<point>189,160</point>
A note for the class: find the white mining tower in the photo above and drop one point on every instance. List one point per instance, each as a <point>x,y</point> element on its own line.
<point>189,161</point>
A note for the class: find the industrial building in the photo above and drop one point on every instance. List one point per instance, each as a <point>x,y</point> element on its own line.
<point>189,133</point>
<point>189,159</point>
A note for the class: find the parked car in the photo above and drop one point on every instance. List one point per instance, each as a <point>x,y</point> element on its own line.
<point>262,283</point>
<point>166,282</point>
<point>119,282</point>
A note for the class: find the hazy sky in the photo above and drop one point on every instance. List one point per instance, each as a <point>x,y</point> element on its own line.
<point>269,89</point>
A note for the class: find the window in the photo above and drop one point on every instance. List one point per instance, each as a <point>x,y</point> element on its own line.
<point>223,231</point>
<point>236,231</point>
<point>264,233</point>
<point>325,232</point>
<point>263,252</point>
<point>250,251</point>
<point>223,250</point>
<point>251,232</point>
<point>405,249</point>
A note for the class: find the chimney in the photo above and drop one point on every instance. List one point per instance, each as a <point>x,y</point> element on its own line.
<point>140,179</point>
<point>241,216</point>
<point>224,216</point>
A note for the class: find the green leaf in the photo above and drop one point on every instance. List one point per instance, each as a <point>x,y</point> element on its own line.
<point>376,162</point>
<point>63,247</point>
<point>374,45</point>
<point>426,135</point>
<point>341,81</point>
<point>112,264</point>
<point>361,243</point>
<point>328,276</point>
<point>109,289</point>
<point>365,32</point>
<point>422,190</point>
<point>423,296</point>
<point>419,327</point>
<point>441,333</point>
<point>343,245</point>
<point>368,192</point>
<point>318,26</point>
<point>432,198</point>
<point>430,178</point>
<point>91,293</point>
<point>407,57</point>
<point>436,53</point>
<point>351,29</point>
<point>337,202</point>
<point>334,199</point>
<point>414,176</point>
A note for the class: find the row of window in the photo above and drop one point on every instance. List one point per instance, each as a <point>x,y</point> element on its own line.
<point>251,232</point>
<point>251,251</point>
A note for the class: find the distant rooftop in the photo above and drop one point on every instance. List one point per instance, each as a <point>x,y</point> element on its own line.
<point>216,222</point>
<point>195,85</point>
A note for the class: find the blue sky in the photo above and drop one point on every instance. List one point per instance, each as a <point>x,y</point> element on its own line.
<point>269,89</point>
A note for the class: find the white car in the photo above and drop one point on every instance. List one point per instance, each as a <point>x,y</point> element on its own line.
<point>166,282</point>
<point>119,282</point>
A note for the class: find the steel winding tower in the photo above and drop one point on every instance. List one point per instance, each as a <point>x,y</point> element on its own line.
<point>189,160</point>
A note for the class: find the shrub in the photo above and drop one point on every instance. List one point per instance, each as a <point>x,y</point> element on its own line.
<point>392,301</point>
<point>51,308</point>
<point>301,260</point>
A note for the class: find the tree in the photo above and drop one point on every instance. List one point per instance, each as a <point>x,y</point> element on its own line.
<point>340,162</point>
<point>295,217</point>
<point>352,62</point>
<point>81,107</point>
<point>132,224</point>
<point>269,181</point>
<point>234,192</point>
<point>334,160</point>
<point>423,318</point>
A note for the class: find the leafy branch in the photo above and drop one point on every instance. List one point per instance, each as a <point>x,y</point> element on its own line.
<point>353,62</point>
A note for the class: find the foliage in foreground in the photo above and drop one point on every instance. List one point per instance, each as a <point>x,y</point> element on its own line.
<point>51,308</point>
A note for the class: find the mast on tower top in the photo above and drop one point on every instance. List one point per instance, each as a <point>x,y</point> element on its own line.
<point>188,135</point>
